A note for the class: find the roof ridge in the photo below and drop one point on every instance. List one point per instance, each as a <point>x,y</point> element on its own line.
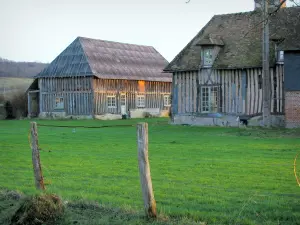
<point>95,39</point>
<point>255,11</point>
<point>237,13</point>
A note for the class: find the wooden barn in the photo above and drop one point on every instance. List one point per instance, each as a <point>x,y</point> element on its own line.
<point>217,77</point>
<point>102,79</point>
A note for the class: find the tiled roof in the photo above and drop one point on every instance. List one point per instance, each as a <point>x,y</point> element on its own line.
<point>108,60</point>
<point>241,34</point>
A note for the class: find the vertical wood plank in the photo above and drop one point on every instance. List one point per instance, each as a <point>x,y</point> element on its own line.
<point>226,100</point>
<point>194,92</point>
<point>280,84</point>
<point>248,100</point>
<point>230,91</point>
<point>278,74</point>
<point>179,93</point>
<point>272,90</point>
<point>223,90</point>
<point>252,92</point>
<point>191,100</point>
<point>237,91</point>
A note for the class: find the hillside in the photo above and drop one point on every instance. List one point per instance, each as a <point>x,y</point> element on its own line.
<point>10,68</point>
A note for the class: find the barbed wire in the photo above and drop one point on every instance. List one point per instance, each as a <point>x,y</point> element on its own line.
<point>103,126</point>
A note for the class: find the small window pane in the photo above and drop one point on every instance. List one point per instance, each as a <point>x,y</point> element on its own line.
<point>167,100</point>
<point>280,57</point>
<point>111,102</point>
<point>207,57</point>
<point>59,103</point>
<point>140,101</point>
<point>123,99</point>
<point>210,99</point>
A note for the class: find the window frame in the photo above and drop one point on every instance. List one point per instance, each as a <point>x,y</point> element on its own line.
<point>110,104</point>
<point>123,99</point>
<point>205,59</point>
<point>138,101</point>
<point>59,104</point>
<point>209,108</point>
<point>167,98</point>
<point>280,57</point>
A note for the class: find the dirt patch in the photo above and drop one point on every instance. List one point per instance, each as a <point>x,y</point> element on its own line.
<point>39,209</point>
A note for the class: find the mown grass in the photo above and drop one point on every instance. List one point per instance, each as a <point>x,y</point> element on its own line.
<point>211,174</point>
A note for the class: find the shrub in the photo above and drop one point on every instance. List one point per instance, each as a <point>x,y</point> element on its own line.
<point>16,105</point>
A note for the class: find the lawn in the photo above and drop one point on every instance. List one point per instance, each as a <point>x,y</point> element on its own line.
<point>211,174</point>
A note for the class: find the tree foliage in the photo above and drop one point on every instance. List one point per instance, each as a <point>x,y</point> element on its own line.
<point>10,68</point>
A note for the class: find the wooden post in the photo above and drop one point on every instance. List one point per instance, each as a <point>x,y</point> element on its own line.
<point>37,170</point>
<point>145,176</point>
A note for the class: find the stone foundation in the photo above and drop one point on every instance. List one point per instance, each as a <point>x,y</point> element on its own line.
<point>136,113</point>
<point>108,117</point>
<point>226,120</point>
<point>151,112</point>
<point>62,115</point>
<point>206,121</point>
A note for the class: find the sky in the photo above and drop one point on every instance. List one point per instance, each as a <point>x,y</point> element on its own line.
<point>38,30</point>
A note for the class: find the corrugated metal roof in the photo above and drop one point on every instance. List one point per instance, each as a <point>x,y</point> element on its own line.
<point>108,60</point>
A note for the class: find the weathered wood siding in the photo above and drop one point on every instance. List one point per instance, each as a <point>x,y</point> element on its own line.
<point>88,96</point>
<point>154,94</point>
<point>75,91</point>
<point>240,90</point>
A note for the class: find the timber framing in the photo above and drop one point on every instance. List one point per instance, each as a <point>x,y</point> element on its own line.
<point>240,92</point>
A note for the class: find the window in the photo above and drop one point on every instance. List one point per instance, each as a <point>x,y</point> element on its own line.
<point>207,57</point>
<point>111,102</point>
<point>280,56</point>
<point>123,99</point>
<point>140,101</point>
<point>59,103</point>
<point>209,99</point>
<point>167,100</point>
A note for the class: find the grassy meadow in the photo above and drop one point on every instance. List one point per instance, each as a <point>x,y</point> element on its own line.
<point>9,84</point>
<point>210,174</point>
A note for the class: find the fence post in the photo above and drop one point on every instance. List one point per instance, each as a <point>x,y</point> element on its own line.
<point>144,167</point>
<point>37,170</point>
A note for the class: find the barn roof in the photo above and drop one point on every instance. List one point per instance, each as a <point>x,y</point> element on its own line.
<point>241,34</point>
<point>108,60</point>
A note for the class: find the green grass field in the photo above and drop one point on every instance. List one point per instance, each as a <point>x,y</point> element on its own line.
<point>210,174</point>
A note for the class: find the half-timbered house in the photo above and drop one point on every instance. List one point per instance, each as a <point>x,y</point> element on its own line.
<point>95,78</point>
<point>217,77</point>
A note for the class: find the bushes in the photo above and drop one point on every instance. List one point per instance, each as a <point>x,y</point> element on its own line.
<point>15,105</point>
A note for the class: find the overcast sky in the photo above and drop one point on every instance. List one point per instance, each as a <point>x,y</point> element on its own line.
<point>38,30</point>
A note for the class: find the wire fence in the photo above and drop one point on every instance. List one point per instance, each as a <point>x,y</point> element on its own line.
<point>70,167</point>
